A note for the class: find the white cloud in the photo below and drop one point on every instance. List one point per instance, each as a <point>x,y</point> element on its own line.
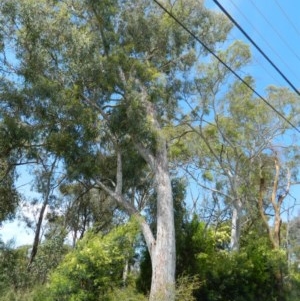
<point>18,231</point>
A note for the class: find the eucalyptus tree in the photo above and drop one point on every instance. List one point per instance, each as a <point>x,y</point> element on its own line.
<point>216,133</point>
<point>232,133</point>
<point>243,151</point>
<point>105,80</point>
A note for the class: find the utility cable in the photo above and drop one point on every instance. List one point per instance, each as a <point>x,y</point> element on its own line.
<point>255,61</point>
<point>259,63</point>
<point>276,31</point>
<point>287,17</point>
<point>255,45</point>
<point>263,38</point>
<point>224,64</point>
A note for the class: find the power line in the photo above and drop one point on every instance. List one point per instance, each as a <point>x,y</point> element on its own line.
<point>226,65</point>
<point>259,63</point>
<point>263,38</point>
<point>287,17</point>
<point>256,46</point>
<point>276,31</point>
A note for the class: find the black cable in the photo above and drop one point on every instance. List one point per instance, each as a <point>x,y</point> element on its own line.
<point>224,64</point>
<point>255,45</point>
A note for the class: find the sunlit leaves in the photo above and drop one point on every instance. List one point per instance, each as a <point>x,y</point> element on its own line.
<point>95,266</point>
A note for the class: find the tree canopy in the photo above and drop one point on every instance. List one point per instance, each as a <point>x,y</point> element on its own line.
<point>118,110</point>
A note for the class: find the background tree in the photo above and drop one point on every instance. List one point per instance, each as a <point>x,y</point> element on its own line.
<point>85,208</point>
<point>230,133</point>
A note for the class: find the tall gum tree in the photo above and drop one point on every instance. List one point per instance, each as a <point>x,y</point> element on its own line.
<point>230,131</point>
<point>245,154</point>
<point>216,144</point>
<point>103,78</point>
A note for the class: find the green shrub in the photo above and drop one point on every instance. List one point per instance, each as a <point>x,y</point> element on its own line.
<point>94,268</point>
<point>125,294</point>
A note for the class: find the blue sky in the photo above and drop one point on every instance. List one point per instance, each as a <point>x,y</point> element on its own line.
<point>275,26</point>
<point>17,230</point>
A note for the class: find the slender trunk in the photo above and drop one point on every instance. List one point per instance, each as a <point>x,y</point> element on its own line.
<point>74,240</point>
<point>235,225</point>
<point>125,272</point>
<point>47,173</point>
<point>84,223</point>
<point>36,240</point>
<point>277,228</point>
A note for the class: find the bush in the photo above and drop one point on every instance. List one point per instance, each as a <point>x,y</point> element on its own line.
<point>293,284</point>
<point>125,294</point>
<point>94,268</point>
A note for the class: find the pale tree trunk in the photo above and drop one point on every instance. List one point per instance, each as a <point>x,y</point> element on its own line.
<point>125,272</point>
<point>231,174</point>
<point>276,202</point>
<point>163,252</point>
<point>162,249</point>
<point>236,225</point>
<point>163,255</point>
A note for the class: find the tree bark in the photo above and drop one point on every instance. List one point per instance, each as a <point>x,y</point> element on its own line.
<point>162,249</point>
<point>163,255</point>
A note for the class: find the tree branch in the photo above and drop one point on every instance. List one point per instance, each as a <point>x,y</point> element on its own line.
<point>132,211</point>
<point>119,176</point>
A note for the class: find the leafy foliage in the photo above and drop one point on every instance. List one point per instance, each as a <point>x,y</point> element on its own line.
<point>113,90</point>
<point>94,268</point>
<point>13,263</point>
<point>249,274</point>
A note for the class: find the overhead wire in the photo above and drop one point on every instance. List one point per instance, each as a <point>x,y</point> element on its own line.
<point>263,38</point>
<point>275,30</point>
<point>287,17</point>
<point>259,63</point>
<point>256,61</point>
<point>224,64</point>
<point>255,45</point>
